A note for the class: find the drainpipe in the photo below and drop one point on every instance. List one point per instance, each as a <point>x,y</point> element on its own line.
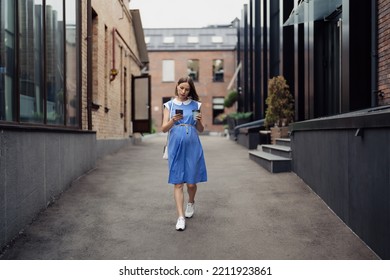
<point>375,93</point>
<point>89,64</point>
<point>113,71</point>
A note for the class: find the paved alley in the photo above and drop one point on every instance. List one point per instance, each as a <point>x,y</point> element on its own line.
<point>124,209</point>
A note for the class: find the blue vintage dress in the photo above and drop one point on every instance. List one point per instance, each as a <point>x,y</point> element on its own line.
<point>185,153</point>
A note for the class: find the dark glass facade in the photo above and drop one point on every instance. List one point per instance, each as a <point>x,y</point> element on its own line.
<point>324,54</point>
<point>39,65</point>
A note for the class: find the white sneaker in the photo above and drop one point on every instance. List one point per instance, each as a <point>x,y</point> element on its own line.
<point>181,223</point>
<point>190,209</point>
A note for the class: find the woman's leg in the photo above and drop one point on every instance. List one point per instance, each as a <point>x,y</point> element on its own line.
<point>179,199</point>
<point>191,188</point>
<point>190,208</point>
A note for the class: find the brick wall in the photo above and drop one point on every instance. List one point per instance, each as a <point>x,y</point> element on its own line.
<point>384,50</point>
<point>112,96</point>
<point>205,87</point>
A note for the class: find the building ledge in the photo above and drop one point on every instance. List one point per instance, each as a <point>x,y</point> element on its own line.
<point>378,117</point>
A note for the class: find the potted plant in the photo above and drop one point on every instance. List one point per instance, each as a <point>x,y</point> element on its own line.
<point>243,117</point>
<point>230,99</point>
<point>280,107</point>
<point>237,118</point>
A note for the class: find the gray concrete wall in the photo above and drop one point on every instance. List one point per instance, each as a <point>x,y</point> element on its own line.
<point>109,146</point>
<point>35,168</point>
<point>350,171</point>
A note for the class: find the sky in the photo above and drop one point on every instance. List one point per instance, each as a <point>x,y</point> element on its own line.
<point>187,13</point>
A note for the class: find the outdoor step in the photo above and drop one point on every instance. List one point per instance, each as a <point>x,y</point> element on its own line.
<point>272,163</point>
<point>283,142</point>
<point>279,150</point>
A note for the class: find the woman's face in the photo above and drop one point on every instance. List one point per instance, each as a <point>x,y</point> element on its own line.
<point>183,90</point>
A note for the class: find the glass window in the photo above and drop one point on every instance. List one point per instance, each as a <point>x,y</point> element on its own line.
<point>217,39</point>
<point>218,109</point>
<point>193,69</point>
<point>218,70</point>
<point>54,62</point>
<point>7,58</point>
<point>72,71</point>
<point>169,40</point>
<point>30,59</point>
<point>168,71</point>
<point>27,84</point>
<point>192,39</point>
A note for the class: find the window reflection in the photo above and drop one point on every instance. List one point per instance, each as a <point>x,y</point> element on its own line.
<point>218,110</point>
<point>72,98</point>
<point>30,59</point>
<point>39,39</point>
<point>218,72</point>
<point>7,57</point>
<point>54,62</point>
<point>193,69</point>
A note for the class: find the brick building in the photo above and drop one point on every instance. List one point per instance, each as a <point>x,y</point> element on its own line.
<point>383,52</point>
<point>206,54</point>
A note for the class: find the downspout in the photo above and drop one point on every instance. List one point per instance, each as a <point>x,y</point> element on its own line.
<point>113,71</point>
<point>89,64</point>
<point>375,93</point>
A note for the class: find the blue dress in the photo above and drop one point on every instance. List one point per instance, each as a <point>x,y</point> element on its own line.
<point>185,153</point>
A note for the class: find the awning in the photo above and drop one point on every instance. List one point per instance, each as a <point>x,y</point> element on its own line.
<point>234,76</point>
<point>312,10</point>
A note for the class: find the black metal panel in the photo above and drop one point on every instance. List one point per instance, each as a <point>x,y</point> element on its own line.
<point>274,37</point>
<point>320,159</point>
<point>245,62</point>
<point>257,83</point>
<point>251,59</point>
<point>265,76</point>
<point>346,161</point>
<point>369,188</point>
<point>299,75</point>
<point>360,55</point>
<point>288,46</point>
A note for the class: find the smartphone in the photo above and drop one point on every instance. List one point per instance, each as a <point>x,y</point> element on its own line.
<point>179,111</point>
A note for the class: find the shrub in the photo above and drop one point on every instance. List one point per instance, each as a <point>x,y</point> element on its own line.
<point>230,99</point>
<point>280,103</point>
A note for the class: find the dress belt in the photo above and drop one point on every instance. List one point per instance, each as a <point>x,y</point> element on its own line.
<point>184,124</point>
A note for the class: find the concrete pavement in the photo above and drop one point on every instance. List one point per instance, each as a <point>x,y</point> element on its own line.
<point>124,209</point>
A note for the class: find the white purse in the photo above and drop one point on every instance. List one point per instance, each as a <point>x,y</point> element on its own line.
<point>165,151</point>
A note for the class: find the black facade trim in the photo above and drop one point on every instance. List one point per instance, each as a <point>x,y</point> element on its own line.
<point>191,50</point>
<point>371,118</point>
<point>30,128</point>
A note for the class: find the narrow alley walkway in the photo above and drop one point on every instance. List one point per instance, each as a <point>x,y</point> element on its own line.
<point>124,209</point>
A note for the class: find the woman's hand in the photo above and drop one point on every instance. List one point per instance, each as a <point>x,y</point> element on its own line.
<point>198,117</point>
<point>177,117</point>
<point>199,124</point>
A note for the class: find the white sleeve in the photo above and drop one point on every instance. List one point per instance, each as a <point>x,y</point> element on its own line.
<point>199,104</point>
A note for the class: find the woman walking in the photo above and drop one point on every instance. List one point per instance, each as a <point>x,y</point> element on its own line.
<point>183,120</point>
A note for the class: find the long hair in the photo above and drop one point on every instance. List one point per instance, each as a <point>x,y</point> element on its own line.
<point>192,94</point>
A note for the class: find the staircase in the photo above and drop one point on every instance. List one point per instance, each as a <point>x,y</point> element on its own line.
<point>275,158</point>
